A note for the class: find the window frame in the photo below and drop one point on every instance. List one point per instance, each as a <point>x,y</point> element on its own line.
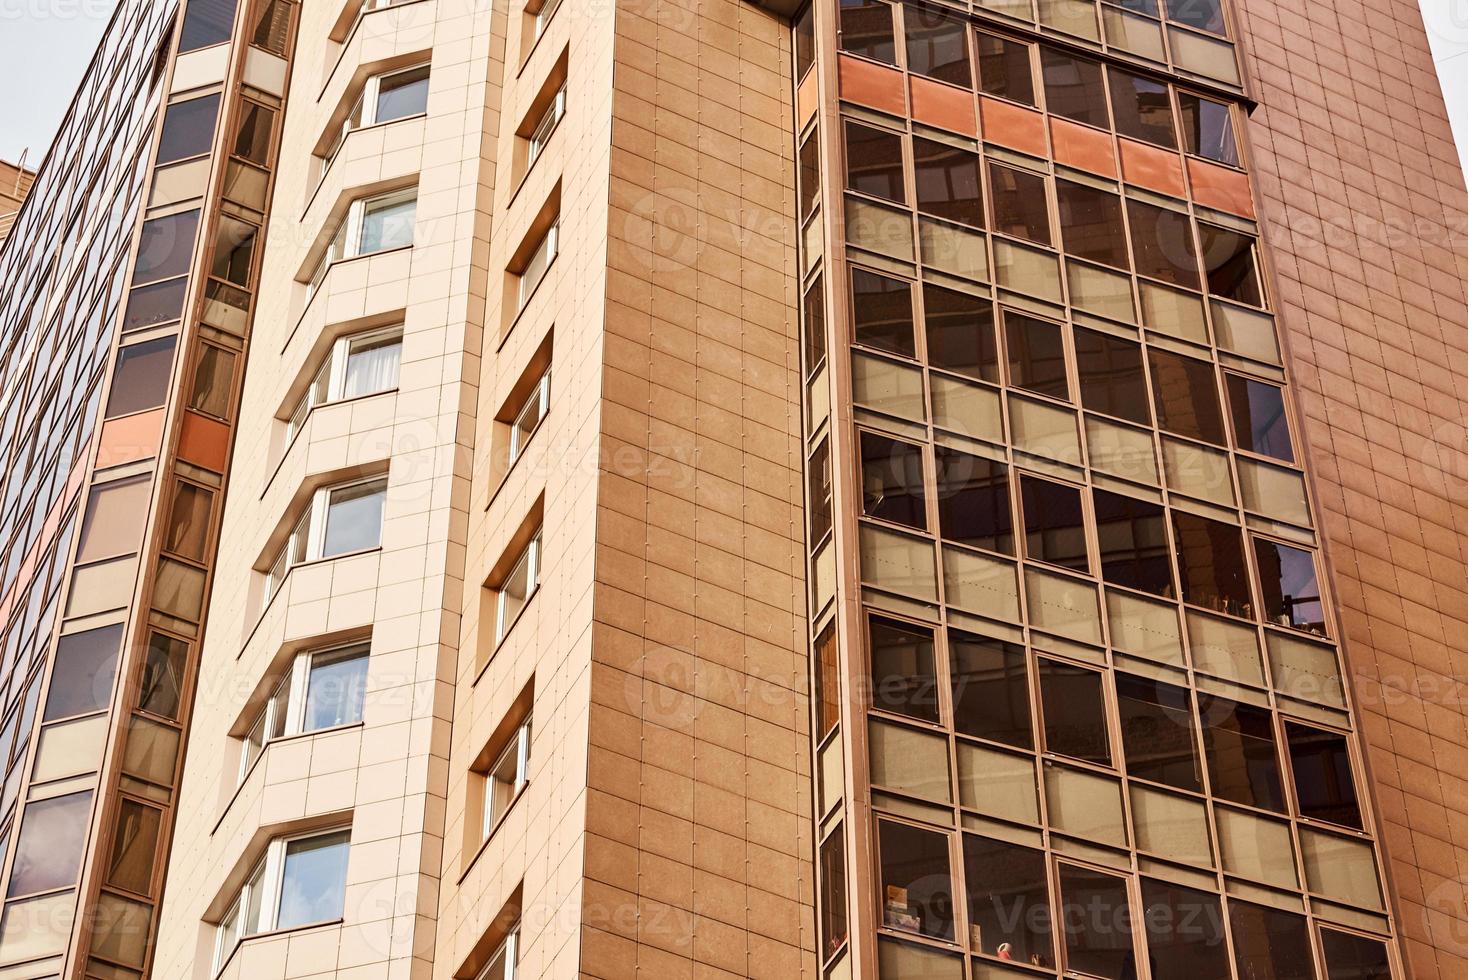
<point>267,876</point>
<point>517,748</point>
<point>539,395</point>
<point>308,535</point>
<point>546,126</point>
<point>347,244</point>
<point>333,372</point>
<point>540,23</point>
<point>506,953</point>
<point>530,558</point>
<point>295,684</point>
<point>364,110</point>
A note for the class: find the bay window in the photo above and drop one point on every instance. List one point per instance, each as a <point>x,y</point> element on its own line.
<point>356,365</point>
<point>338,520</point>
<point>373,224</point>
<point>321,689</point>
<point>386,97</point>
<point>519,585</point>
<point>301,881</point>
<point>506,778</point>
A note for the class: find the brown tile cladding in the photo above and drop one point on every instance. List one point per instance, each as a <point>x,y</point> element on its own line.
<point>698,821</point>
<point>1364,205</point>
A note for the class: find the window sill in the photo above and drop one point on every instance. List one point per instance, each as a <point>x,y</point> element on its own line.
<point>484,844</point>
<point>311,300</point>
<point>296,436</point>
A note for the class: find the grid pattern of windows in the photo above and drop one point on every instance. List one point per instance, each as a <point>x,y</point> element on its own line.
<point>1105,730</point>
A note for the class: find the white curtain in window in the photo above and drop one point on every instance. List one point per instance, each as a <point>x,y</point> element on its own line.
<point>373,367</point>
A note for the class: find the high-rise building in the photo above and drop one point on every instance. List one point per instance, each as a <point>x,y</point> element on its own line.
<point>15,184</point>
<point>702,488</point>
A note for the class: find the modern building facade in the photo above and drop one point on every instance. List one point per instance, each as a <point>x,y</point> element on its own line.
<point>15,184</point>
<point>697,488</point>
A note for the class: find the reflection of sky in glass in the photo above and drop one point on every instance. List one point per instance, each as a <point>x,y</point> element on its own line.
<point>314,880</point>
<point>335,692</point>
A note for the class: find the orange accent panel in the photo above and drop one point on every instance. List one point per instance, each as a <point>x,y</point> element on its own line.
<point>806,99</point>
<point>874,85</point>
<point>1152,167</point>
<point>1083,147</point>
<point>943,106</point>
<point>204,442</point>
<point>1013,126</point>
<point>131,438</point>
<point>1221,188</point>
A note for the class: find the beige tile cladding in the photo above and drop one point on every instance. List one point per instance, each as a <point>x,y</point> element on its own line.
<point>389,776</point>
<point>1365,211</point>
<point>698,803</point>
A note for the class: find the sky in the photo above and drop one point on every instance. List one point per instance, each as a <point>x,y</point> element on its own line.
<point>51,41</point>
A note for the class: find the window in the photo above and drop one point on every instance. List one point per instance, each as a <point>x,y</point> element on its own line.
<point>1205,15</point>
<point>356,365</point>
<point>1131,536</point>
<point>815,325</point>
<point>300,881</point>
<point>937,46</point>
<point>1036,350</point>
<point>213,382</point>
<point>947,181</point>
<point>1289,589</point>
<point>1021,206</point>
<point>82,673</point>
<point>1242,764</point>
<point>321,689</point>
<point>1156,721</point>
<point>882,311</point>
<point>519,585</point>
<point>1186,397</point>
<point>1320,762</point>
<point>1211,564</point>
<point>1097,921</point>
<point>272,24</point>
<point>1208,129</point>
<point>866,29</point>
<point>833,892</point>
<point>1055,529</point>
<point>187,529</point>
<point>1008,901</point>
<point>973,500</point>
<point>385,97</point>
<point>991,689</point>
<point>252,139</point>
<point>892,480</point>
<point>188,129</point>
<point>1162,244</point>
<point>506,778</point>
<point>1258,414</point>
<point>531,414</point>
<point>904,677</point>
<point>1004,69</point>
<point>549,120</point>
<point>48,852</point>
<point>1184,931</point>
<point>960,333</point>
<point>810,173</point>
<point>805,40</point>
<point>1142,108</point>
<point>1269,943</point>
<point>543,15</point>
<point>1351,957</point>
<point>538,264</point>
<point>1073,87</point>
<point>141,378</point>
<point>338,520</point>
<point>1074,704</point>
<point>820,491</point>
<point>206,23</point>
<point>917,881</point>
<point>373,224</point>
<point>1228,262</point>
<point>1111,376</point>
<point>504,962</point>
<point>1090,223</point>
<point>874,162</point>
<point>161,688</point>
<point>828,681</point>
<point>166,247</point>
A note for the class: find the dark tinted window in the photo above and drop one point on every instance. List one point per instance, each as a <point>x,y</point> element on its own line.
<point>1111,376</point>
<point>1186,397</point>
<point>917,882</point>
<point>140,380</point>
<point>1242,763</point>
<point>1097,922</point>
<point>1210,559</point>
<point>833,891</point>
<point>805,40</point>
<point>163,675</point>
<point>159,302</point>
<point>1349,957</point>
<point>188,129</point>
<point>1289,589</point>
<point>1054,527</point>
<point>1036,354</point>
<point>1270,944</point>
<point>1090,223</point>
<point>903,676</point>
<point>937,45</point>
<point>166,247</point>
<point>810,175</point>
<point>81,678</point>
<point>991,689</point>
<point>1205,15</point>
<point>1208,129</point>
<point>1157,732</point>
<point>1075,712</point>
<point>947,181</point>
<point>1131,535</point>
<point>252,138</point>
<point>1320,761</point>
<point>1184,932</point>
<point>815,326</point>
<point>866,29</point>
<point>960,333</point>
<point>1008,901</point>
<point>820,490</point>
<point>1162,244</point>
<point>1073,87</point>
<point>1142,108</point>
<point>973,500</point>
<point>1021,206</point>
<point>874,162</point>
<point>882,309</point>
<point>1228,262</point>
<point>1260,424</point>
<point>892,480</point>
<point>206,23</point>
<point>1005,70</point>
